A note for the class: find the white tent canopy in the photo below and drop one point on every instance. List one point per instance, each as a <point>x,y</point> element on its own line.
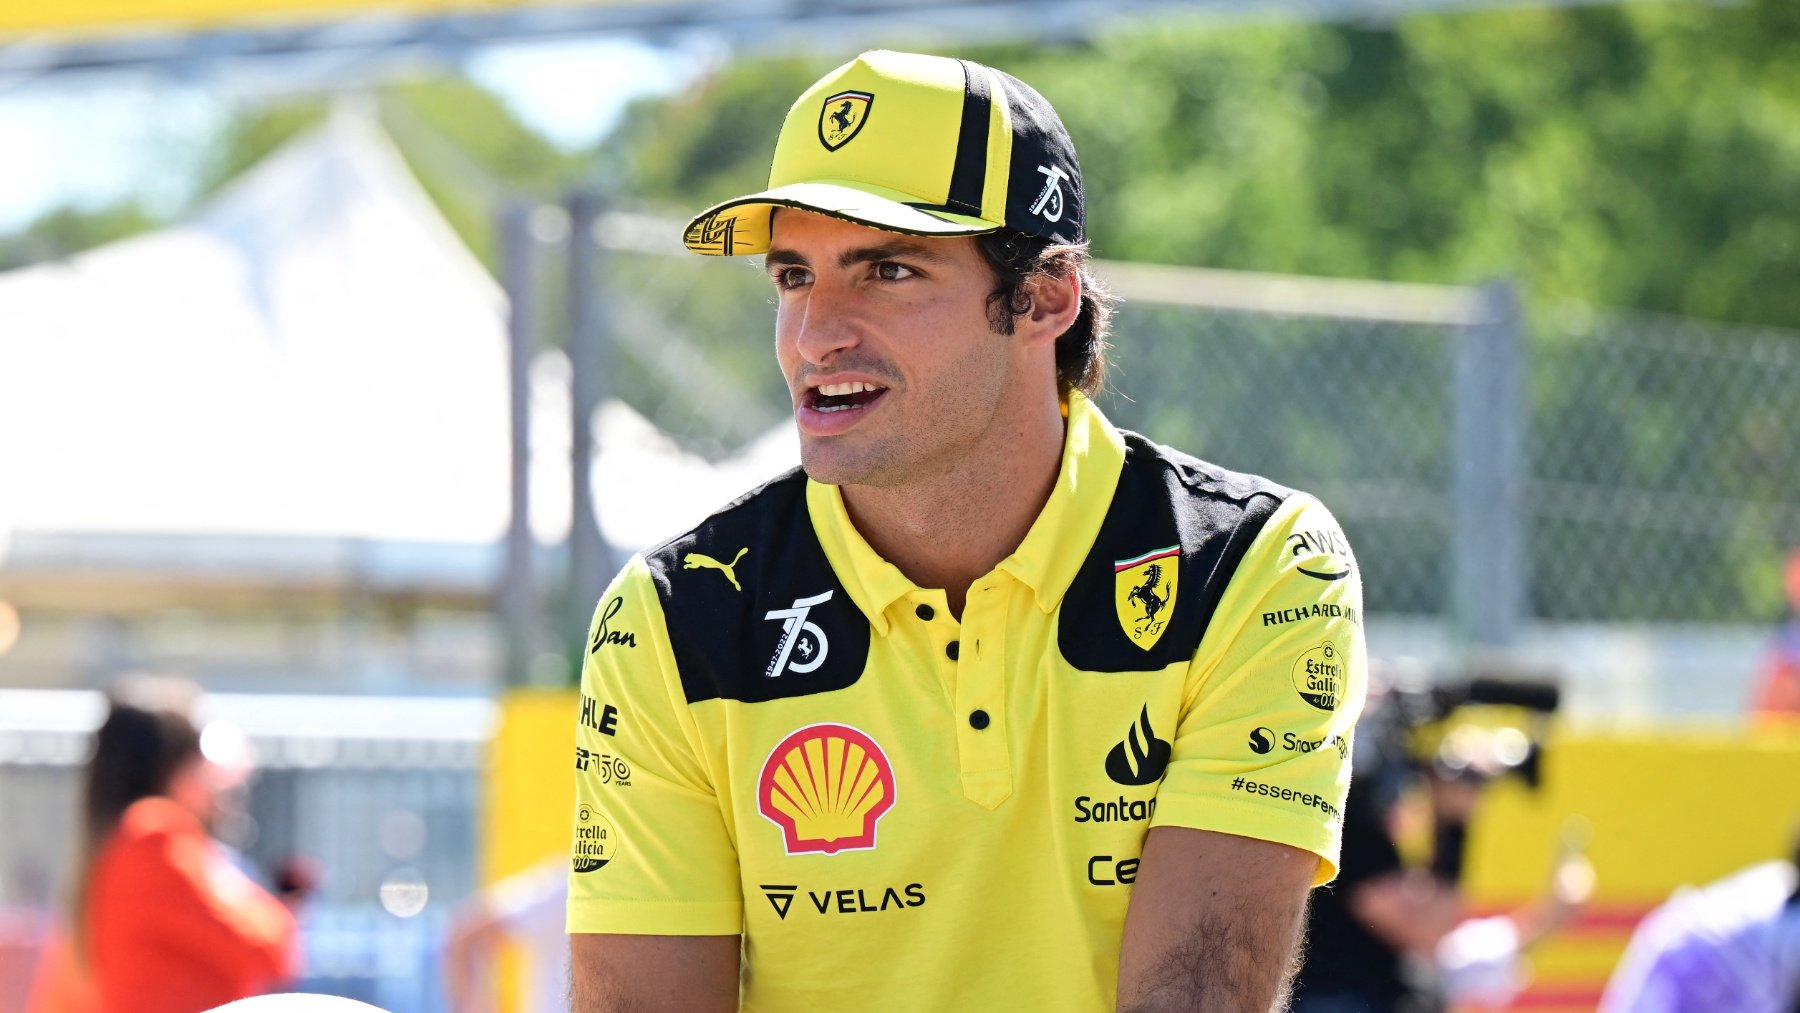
<point>315,359</point>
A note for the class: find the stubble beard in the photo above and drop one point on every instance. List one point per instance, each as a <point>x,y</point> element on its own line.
<point>914,452</point>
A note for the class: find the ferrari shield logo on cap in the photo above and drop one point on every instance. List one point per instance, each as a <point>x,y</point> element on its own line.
<point>842,116</point>
<point>1144,593</point>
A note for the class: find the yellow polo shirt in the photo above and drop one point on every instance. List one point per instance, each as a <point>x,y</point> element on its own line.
<point>783,737</point>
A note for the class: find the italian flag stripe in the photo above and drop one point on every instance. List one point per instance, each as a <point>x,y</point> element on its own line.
<point>1126,564</point>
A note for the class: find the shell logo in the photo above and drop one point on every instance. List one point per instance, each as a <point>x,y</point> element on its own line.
<point>826,786</point>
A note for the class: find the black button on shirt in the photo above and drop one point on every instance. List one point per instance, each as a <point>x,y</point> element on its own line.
<point>978,719</point>
<point>924,612</point>
<point>953,649</point>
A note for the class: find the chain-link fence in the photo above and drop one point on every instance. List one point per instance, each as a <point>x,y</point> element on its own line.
<point>1665,467</point>
<point>1600,466</point>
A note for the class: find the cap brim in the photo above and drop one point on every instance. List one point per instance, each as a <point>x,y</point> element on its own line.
<point>741,226</point>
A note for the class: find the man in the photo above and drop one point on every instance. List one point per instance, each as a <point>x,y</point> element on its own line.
<point>993,706</point>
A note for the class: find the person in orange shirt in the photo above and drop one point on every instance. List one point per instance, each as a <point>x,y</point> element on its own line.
<point>162,921</point>
<point>1778,690</point>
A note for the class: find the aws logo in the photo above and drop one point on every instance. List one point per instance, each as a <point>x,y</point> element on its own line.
<point>1328,543</point>
<point>826,786</point>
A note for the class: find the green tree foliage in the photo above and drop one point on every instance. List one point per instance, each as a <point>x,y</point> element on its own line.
<point>1643,155</point>
<point>713,140</point>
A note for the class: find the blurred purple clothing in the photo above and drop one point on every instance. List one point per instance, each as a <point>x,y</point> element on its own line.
<point>1729,947</point>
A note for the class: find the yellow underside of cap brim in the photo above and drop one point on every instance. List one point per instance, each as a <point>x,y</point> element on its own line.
<point>741,226</point>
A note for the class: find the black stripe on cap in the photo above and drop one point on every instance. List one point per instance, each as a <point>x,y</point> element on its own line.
<point>968,176</point>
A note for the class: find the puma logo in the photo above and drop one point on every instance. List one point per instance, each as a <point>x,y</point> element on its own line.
<point>701,561</point>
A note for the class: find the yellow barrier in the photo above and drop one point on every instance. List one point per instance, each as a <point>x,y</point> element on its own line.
<point>529,809</point>
<point>1666,807</point>
<point>530,801</point>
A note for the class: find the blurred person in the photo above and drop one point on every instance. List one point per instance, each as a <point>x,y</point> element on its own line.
<point>162,920</point>
<point>1387,937</point>
<point>954,717</point>
<point>1481,961</point>
<point>1778,687</point>
<point>526,909</point>
<point>1732,946</point>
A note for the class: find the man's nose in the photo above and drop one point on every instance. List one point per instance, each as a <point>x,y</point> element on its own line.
<point>828,323</point>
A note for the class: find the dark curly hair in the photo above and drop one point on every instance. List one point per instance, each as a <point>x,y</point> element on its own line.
<point>1016,260</point>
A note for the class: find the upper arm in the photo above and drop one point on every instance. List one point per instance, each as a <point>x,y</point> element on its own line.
<point>1273,693</point>
<point>645,974</point>
<point>652,852</point>
<point>208,908</point>
<point>1213,921</point>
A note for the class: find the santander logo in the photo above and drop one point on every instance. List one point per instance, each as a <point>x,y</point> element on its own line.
<point>826,786</point>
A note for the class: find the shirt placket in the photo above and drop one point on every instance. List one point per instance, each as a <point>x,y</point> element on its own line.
<point>978,661</point>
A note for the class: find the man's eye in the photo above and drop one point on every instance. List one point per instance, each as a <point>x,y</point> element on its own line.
<point>790,277</point>
<point>887,270</point>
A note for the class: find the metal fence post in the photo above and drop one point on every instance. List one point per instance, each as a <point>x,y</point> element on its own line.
<point>589,378</point>
<point>518,584</point>
<point>1488,548</point>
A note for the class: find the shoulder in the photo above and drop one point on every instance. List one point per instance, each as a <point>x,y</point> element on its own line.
<point>1174,535</point>
<point>722,541</point>
<point>749,593</point>
<point>156,817</point>
<point>1199,491</point>
<point>152,835</point>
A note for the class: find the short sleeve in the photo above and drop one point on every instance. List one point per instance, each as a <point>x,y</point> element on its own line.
<point>651,853</point>
<point>1273,693</point>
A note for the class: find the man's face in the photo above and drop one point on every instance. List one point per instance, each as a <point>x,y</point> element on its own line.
<point>895,371</point>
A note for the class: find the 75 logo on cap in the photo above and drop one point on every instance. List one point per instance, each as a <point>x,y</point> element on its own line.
<point>826,786</point>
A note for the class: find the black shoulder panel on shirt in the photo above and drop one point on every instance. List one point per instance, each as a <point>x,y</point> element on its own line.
<point>753,609</point>
<point>1165,499</point>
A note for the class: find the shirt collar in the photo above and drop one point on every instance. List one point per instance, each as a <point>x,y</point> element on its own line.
<point>1046,561</point>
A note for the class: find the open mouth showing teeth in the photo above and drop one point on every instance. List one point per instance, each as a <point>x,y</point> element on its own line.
<point>839,397</point>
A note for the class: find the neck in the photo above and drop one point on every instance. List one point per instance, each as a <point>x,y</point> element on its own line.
<point>947,530</point>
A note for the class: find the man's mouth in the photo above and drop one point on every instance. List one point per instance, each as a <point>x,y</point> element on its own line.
<point>841,397</point>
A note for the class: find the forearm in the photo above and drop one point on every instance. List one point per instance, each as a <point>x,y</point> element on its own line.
<point>1220,969</point>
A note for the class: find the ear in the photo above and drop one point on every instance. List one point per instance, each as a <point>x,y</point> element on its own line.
<point>1055,303</point>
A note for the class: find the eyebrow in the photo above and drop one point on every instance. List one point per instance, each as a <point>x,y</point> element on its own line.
<point>862,254</point>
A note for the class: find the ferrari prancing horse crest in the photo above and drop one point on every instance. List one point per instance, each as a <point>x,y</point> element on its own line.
<point>842,116</point>
<point>1144,593</point>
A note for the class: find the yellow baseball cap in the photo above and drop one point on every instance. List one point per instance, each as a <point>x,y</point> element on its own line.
<point>923,145</point>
